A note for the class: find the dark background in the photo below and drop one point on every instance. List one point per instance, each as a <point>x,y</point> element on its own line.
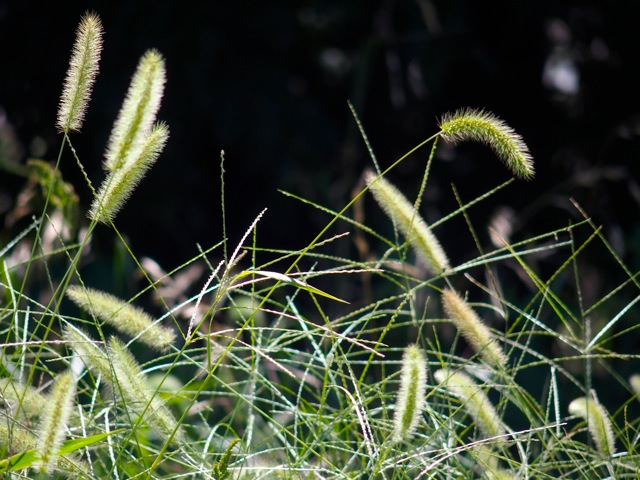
<point>268,83</point>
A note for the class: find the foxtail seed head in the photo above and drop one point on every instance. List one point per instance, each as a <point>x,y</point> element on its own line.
<point>126,318</point>
<point>634,381</point>
<point>118,186</point>
<point>474,401</point>
<point>138,112</point>
<point>94,357</point>
<point>81,75</point>
<point>472,329</point>
<point>485,127</point>
<point>54,421</point>
<point>411,396</point>
<point>409,222</point>
<point>139,397</point>
<point>598,422</point>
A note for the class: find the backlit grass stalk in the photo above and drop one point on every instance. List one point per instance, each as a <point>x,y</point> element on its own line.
<point>411,395</point>
<point>473,329</point>
<point>474,401</point>
<point>120,184</point>
<point>139,397</point>
<point>478,125</point>
<point>409,222</point>
<point>138,112</point>
<point>598,422</point>
<point>81,75</point>
<point>53,425</point>
<point>128,319</point>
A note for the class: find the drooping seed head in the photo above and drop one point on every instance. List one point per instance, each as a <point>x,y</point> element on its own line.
<point>478,125</point>
<point>598,422</point>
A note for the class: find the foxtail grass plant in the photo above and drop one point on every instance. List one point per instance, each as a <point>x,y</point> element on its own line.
<point>474,401</point>
<point>409,222</point>
<point>473,329</point>
<point>138,112</point>
<point>133,385</point>
<point>481,126</point>
<point>81,75</point>
<point>634,381</point>
<point>597,418</point>
<point>86,350</point>
<point>128,319</point>
<point>239,368</point>
<point>54,422</point>
<point>411,394</point>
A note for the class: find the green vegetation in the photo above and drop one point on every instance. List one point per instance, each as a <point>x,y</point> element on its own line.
<point>259,370</point>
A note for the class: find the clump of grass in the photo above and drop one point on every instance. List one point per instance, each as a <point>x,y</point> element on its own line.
<point>267,384</point>
<point>22,400</point>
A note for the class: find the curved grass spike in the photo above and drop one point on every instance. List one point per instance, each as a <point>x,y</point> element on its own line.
<point>138,112</point>
<point>598,422</point>
<point>474,401</point>
<point>54,421</point>
<point>123,316</point>
<point>139,397</point>
<point>409,222</point>
<point>473,329</point>
<point>411,395</point>
<point>81,75</point>
<point>485,127</point>
<point>94,357</point>
<point>120,184</point>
